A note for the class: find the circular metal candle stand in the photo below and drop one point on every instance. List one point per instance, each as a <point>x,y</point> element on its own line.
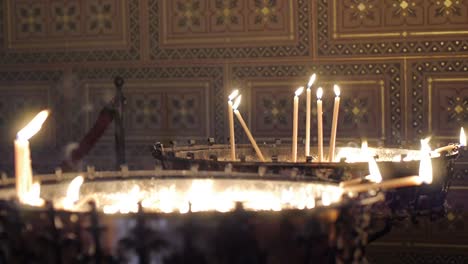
<point>335,233</point>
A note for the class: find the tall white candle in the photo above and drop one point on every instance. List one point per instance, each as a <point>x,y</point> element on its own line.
<point>246,129</point>
<point>462,137</point>
<point>425,165</point>
<point>232,141</point>
<point>23,169</point>
<point>320,124</point>
<point>295,122</point>
<point>388,184</point>
<point>308,109</point>
<point>336,110</point>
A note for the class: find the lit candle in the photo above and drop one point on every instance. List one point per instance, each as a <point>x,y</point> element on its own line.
<point>336,109</point>
<point>33,196</point>
<point>447,148</point>
<point>232,140</point>
<point>73,192</point>
<point>388,184</point>
<point>453,147</point>
<point>425,165</point>
<point>23,169</point>
<point>246,129</point>
<point>320,124</point>
<point>425,175</point>
<point>374,173</point>
<point>295,122</point>
<point>308,109</point>
<point>365,148</point>
<point>462,138</point>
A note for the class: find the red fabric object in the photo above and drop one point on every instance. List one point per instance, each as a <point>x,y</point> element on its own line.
<point>105,118</point>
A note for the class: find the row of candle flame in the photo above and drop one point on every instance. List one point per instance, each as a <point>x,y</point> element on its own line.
<point>234,100</point>
<point>201,195</point>
<point>236,97</point>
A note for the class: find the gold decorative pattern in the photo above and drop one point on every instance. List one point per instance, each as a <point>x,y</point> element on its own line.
<point>100,17</point>
<point>65,18</point>
<point>228,16</point>
<point>30,19</point>
<point>360,18</point>
<point>226,22</point>
<point>433,83</point>
<point>451,106</point>
<point>71,24</point>
<point>448,12</point>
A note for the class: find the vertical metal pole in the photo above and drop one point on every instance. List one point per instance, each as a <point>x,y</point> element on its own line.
<point>119,124</point>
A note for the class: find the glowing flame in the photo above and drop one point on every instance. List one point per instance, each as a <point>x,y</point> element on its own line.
<point>326,199</point>
<point>365,148</point>
<point>205,195</point>
<point>168,201</point>
<point>462,137</point>
<point>310,203</point>
<point>319,93</point>
<point>299,90</point>
<point>126,203</point>
<point>396,158</point>
<point>73,192</point>
<point>425,148</point>
<point>351,155</point>
<point>233,95</point>
<point>33,197</point>
<point>425,166</point>
<point>33,126</point>
<point>311,80</point>
<point>200,195</point>
<point>336,88</point>
<point>237,102</point>
<point>374,172</point>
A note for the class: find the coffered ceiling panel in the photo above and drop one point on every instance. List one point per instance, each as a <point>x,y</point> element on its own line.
<point>391,27</point>
<point>437,98</point>
<point>46,31</point>
<point>218,29</point>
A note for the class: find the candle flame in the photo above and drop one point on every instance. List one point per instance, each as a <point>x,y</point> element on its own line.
<point>425,145</point>
<point>299,90</point>
<point>351,155</point>
<point>319,93</point>
<point>337,90</point>
<point>365,148</point>
<point>374,172</point>
<point>462,137</point>
<point>326,198</point>
<point>33,197</point>
<point>206,195</point>
<point>126,203</point>
<point>311,80</point>
<point>33,126</point>
<point>237,102</point>
<point>73,192</point>
<point>310,203</point>
<point>233,95</point>
<point>425,165</point>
